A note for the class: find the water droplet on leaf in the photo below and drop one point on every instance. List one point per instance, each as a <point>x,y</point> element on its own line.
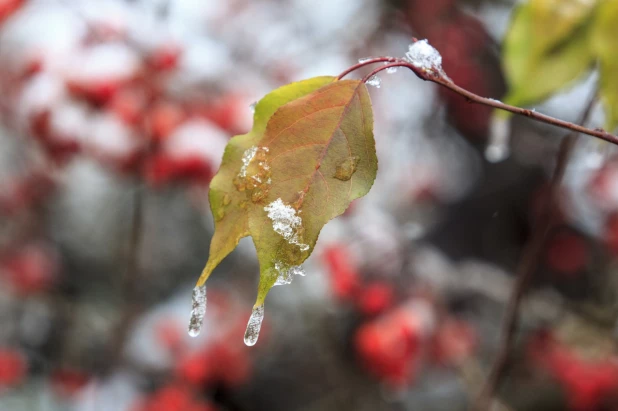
<point>198,310</point>
<point>254,325</point>
<point>226,199</point>
<point>347,168</point>
<point>219,214</point>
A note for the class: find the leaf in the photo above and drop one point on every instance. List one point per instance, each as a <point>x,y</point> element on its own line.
<point>282,184</point>
<point>604,43</point>
<point>228,205</point>
<point>546,48</point>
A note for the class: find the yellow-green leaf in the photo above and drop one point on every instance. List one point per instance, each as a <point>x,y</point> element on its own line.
<point>281,184</point>
<point>546,48</point>
<point>228,204</point>
<point>604,43</point>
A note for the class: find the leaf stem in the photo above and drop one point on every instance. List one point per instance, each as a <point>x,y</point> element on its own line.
<point>442,79</point>
<point>366,63</point>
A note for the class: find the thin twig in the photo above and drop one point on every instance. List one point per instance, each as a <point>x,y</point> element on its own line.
<point>131,283</point>
<point>438,77</point>
<point>527,267</point>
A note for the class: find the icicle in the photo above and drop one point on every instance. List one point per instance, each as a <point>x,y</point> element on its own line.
<point>374,81</point>
<point>198,310</point>
<point>498,147</point>
<point>254,325</point>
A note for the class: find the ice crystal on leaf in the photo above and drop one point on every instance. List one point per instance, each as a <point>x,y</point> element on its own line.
<point>285,222</point>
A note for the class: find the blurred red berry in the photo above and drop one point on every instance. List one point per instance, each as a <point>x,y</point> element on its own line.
<point>166,57</point>
<point>13,367</point>
<point>454,342</point>
<point>389,346</point>
<point>8,7</point>
<point>375,298</point>
<point>162,169</point>
<point>67,382</point>
<point>233,365</point>
<point>170,334</point>
<point>343,272</point>
<point>30,269</point>
<point>198,368</point>
<point>163,119</point>
<point>173,397</point>
<point>128,105</point>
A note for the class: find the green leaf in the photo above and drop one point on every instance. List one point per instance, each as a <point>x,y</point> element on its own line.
<point>281,184</point>
<point>546,48</point>
<point>604,41</point>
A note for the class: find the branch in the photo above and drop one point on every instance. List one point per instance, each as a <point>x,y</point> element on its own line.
<point>131,282</point>
<point>527,266</point>
<point>436,75</point>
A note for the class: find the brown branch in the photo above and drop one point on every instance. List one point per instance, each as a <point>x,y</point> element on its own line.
<point>130,286</point>
<point>437,76</point>
<point>527,266</point>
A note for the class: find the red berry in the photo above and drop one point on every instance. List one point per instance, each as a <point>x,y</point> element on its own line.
<point>31,269</point>
<point>163,119</point>
<point>13,367</point>
<point>343,273</point>
<point>8,7</point>
<point>166,57</point>
<point>454,342</point>
<point>375,298</point>
<point>68,382</point>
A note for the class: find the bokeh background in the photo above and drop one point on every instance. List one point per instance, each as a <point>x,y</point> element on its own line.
<point>114,117</point>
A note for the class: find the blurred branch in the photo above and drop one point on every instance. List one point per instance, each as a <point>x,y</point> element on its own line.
<point>527,266</point>
<point>131,282</point>
<point>436,75</point>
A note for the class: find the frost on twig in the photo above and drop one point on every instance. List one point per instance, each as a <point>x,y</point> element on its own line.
<point>374,81</point>
<point>424,56</point>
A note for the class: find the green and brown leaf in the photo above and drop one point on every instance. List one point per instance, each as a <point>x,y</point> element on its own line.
<point>310,153</point>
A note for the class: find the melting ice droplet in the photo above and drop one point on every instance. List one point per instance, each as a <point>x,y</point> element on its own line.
<point>422,55</point>
<point>285,222</point>
<point>286,273</point>
<point>198,310</point>
<point>254,325</point>
<point>374,81</point>
<point>347,167</point>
